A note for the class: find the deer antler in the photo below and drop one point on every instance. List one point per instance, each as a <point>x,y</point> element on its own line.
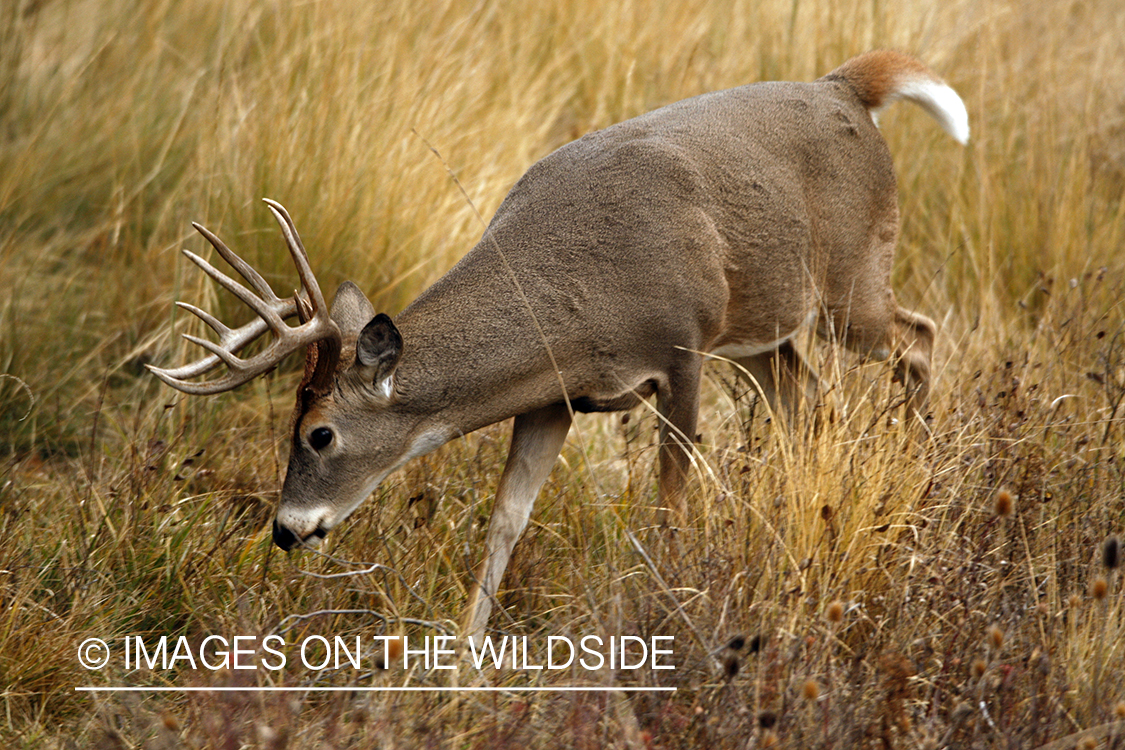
<point>272,312</point>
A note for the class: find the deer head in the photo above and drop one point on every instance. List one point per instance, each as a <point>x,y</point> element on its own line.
<point>339,451</point>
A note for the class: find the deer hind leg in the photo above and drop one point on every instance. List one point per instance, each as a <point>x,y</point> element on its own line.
<point>782,377</point>
<point>677,402</point>
<point>914,345</point>
<point>905,337</point>
<point>537,438</point>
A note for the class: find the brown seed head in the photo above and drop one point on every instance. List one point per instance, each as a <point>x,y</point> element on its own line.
<point>1119,710</point>
<point>169,722</point>
<point>835,612</point>
<point>1074,601</point>
<point>979,667</point>
<point>996,637</point>
<point>393,651</point>
<point>1099,589</point>
<point>1111,553</point>
<point>1089,743</point>
<point>731,665</point>
<point>1004,503</point>
<point>810,690</point>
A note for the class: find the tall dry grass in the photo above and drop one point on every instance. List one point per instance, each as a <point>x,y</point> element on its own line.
<point>127,509</point>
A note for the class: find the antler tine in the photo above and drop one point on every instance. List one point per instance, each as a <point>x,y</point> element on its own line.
<point>244,269</point>
<point>233,339</point>
<point>186,386</point>
<point>263,307</point>
<point>300,255</point>
<point>233,361</point>
<point>214,323</point>
<point>271,311</point>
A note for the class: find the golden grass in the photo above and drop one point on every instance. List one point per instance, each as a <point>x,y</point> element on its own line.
<point>128,510</point>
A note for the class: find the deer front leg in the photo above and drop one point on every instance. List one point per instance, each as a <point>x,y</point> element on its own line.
<point>783,378</point>
<point>677,402</point>
<point>537,438</point>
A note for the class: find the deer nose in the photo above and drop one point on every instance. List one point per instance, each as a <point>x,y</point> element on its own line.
<point>283,537</point>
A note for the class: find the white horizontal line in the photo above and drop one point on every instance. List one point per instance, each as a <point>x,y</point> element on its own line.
<point>337,689</point>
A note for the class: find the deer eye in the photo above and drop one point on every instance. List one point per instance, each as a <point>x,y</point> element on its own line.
<point>320,438</point>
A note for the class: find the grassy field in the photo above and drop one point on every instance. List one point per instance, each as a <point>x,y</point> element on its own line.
<point>852,589</point>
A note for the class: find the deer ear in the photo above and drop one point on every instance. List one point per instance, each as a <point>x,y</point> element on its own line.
<point>378,350</point>
<point>351,310</point>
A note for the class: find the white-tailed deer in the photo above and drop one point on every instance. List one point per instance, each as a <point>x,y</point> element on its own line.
<point>719,224</point>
